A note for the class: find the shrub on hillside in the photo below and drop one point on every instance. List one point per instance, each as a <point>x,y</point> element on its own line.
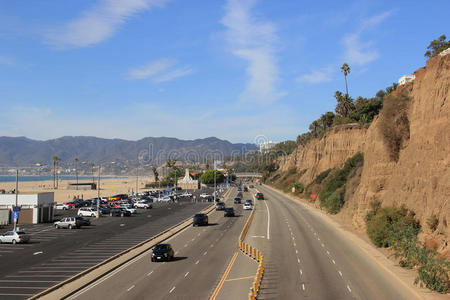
<point>332,193</point>
<point>433,222</point>
<point>313,185</point>
<point>394,123</point>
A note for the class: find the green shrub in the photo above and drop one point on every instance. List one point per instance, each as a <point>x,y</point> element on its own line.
<point>433,222</point>
<point>433,271</point>
<point>299,187</point>
<point>332,193</point>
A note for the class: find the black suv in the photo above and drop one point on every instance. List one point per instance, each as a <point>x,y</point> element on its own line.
<point>200,219</point>
<point>237,200</point>
<point>162,252</point>
<point>119,212</point>
<point>229,212</point>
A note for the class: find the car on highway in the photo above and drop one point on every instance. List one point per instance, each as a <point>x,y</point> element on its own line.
<point>200,219</point>
<point>220,205</point>
<point>205,196</point>
<point>186,194</point>
<point>259,196</point>
<point>87,212</point>
<point>245,189</point>
<point>83,221</point>
<point>62,206</point>
<point>119,212</point>
<point>247,206</point>
<point>228,212</point>
<point>162,252</point>
<point>14,237</point>
<point>237,200</point>
<point>143,204</point>
<point>69,222</point>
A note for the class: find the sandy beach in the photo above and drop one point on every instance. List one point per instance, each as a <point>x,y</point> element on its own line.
<point>65,193</point>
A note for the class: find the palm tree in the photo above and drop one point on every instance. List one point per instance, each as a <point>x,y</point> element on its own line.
<point>76,169</point>
<point>155,173</point>
<point>92,168</point>
<point>346,69</point>
<point>170,163</point>
<point>55,163</point>
<point>344,105</point>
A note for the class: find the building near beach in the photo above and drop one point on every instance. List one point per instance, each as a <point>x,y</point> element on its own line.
<point>35,208</point>
<point>187,183</point>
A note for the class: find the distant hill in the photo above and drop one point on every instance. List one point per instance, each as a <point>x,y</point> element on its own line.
<point>21,151</point>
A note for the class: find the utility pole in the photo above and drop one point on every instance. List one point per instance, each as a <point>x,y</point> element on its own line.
<point>214,181</point>
<point>17,200</point>
<point>137,179</point>
<point>98,193</point>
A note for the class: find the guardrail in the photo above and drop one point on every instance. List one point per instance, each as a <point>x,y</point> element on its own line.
<point>147,244</point>
<point>253,253</point>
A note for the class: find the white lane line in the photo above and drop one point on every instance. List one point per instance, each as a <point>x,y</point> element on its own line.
<point>333,261</point>
<point>323,246</point>
<point>38,252</point>
<point>268,221</point>
<point>198,234</point>
<point>303,286</point>
<point>217,240</point>
<point>340,273</point>
<point>185,245</point>
<point>171,290</point>
<point>296,251</point>
<point>130,288</point>
<point>187,273</point>
<point>349,289</point>
<point>295,245</point>
<point>206,252</point>
<point>212,245</point>
<point>328,252</point>
<point>197,262</point>
<point>301,272</point>
<point>298,260</point>
<point>193,239</point>
<point>150,273</point>
<point>176,253</point>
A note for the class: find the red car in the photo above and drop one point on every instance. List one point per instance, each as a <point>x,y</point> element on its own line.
<point>259,196</point>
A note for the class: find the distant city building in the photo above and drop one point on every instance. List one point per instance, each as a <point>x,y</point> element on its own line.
<point>266,146</point>
<point>406,78</point>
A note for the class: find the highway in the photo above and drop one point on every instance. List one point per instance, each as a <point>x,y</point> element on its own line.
<point>306,258</point>
<point>202,256</point>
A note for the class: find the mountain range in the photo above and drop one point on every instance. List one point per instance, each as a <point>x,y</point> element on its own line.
<point>22,151</point>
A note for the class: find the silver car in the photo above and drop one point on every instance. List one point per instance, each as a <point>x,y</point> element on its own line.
<point>69,222</point>
<point>14,237</point>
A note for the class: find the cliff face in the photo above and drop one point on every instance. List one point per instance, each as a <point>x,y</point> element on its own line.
<point>420,179</point>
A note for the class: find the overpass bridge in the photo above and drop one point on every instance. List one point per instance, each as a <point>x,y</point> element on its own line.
<point>248,175</point>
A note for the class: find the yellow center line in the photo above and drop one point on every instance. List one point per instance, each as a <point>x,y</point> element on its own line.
<point>224,277</point>
<point>248,277</point>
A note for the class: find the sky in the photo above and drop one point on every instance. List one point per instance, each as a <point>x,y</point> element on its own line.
<point>240,70</point>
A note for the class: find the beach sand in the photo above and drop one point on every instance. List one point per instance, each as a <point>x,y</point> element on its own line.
<point>108,187</point>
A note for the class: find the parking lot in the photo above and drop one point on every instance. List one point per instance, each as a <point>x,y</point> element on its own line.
<point>54,254</point>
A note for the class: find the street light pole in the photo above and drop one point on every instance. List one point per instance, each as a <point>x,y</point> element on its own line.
<point>98,193</point>
<point>17,199</point>
<point>137,179</point>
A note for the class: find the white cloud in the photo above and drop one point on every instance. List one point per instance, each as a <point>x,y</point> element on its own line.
<point>361,52</point>
<point>253,40</point>
<point>158,71</point>
<point>317,76</point>
<point>98,23</point>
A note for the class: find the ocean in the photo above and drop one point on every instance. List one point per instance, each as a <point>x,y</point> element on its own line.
<point>8,178</point>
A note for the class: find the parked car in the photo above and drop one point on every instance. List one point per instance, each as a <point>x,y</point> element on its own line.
<point>143,204</point>
<point>71,204</point>
<point>83,221</point>
<point>259,196</point>
<point>237,200</point>
<point>119,212</point>
<point>205,196</point>
<point>200,219</point>
<point>186,194</point>
<point>220,205</point>
<point>165,199</point>
<point>70,222</point>
<point>228,212</point>
<point>163,252</point>
<point>87,212</point>
<point>132,210</point>
<point>62,206</point>
<point>14,237</point>
<point>104,209</point>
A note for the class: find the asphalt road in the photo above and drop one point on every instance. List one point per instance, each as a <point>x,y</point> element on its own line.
<point>306,258</point>
<point>202,256</point>
<point>54,255</point>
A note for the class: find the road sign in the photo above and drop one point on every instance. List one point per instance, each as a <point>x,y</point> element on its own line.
<point>15,215</point>
<point>98,202</point>
<point>17,208</point>
<point>227,182</point>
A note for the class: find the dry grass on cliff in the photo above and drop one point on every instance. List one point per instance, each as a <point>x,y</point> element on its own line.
<point>394,123</point>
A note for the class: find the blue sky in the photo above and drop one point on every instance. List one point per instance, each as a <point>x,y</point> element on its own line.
<point>235,69</point>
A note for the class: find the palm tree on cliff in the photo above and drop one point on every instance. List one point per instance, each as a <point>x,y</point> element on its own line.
<point>155,173</point>
<point>344,105</point>
<point>346,70</point>
<point>55,163</point>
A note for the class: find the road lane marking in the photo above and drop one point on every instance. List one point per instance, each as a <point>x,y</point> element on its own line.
<point>224,277</point>
<point>193,239</point>
<point>171,290</point>
<point>206,252</point>
<point>198,234</point>
<point>185,245</point>
<point>197,262</point>
<point>176,253</point>
<point>303,286</point>
<point>298,260</point>
<point>333,261</point>
<point>187,273</point>
<point>340,273</point>
<point>328,252</point>
<point>349,289</point>
<point>37,253</point>
<point>241,278</point>
<point>212,245</point>
<point>301,272</point>
<point>296,251</point>
<point>268,221</point>
<point>130,288</point>
<point>150,273</point>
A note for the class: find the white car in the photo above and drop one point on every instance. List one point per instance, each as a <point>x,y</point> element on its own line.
<point>132,210</point>
<point>165,199</point>
<point>204,196</point>
<point>62,206</point>
<point>14,237</point>
<point>143,204</point>
<point>186,194</point>
<point>87,212</point>
<point>247,206</point>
